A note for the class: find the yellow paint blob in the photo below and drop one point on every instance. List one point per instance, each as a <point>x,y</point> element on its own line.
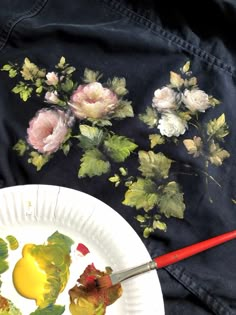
<point>43,271</point>
<point>29,279</point>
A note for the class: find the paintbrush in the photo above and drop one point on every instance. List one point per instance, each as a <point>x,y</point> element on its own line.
<point>164,260</point>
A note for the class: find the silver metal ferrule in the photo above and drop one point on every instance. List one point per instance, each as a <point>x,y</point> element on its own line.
<point>128,273</point>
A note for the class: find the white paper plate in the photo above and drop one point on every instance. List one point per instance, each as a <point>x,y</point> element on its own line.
<point>33,212</point>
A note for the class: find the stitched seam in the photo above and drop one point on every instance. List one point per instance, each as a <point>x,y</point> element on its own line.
<point>12,22</point>
<point>218,307</point>
<point>171,37</point>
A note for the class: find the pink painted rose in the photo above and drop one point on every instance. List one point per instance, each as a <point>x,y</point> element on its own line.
<point>47,130</point>
<point>93,101</point>
<point>51,97</point>
<point>52,78</point>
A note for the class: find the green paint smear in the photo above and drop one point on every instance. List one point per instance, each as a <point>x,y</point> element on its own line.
<point>3,266</point>
<point>12,310</point>
<point>50,310</point>
<point>13,243</point>
<point>3,256</point>
<point>3,249</point>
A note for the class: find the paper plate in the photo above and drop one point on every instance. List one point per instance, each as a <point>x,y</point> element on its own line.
<point>32,213</point>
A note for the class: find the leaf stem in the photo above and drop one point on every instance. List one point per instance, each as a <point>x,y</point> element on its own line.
<point>210,137</point>
<point>207,188</point>
<point>205,173</point>
<point>211,177</point>
<point>194,125</point>
<point>184,173</point>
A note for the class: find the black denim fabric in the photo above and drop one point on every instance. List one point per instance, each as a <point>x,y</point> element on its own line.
<point>142,41</point>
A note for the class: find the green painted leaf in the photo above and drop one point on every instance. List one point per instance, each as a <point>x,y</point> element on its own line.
<point>67,86</point>
<point>147,231</point>
<point>61,63</point>
<point>123,110</point>
<point>218,128</point>
<point>213,101</point>
<point>185,115</point>
<point>38,160</point>
<point>19,87</point>
<point>150,117</point>
<point>39,90</point>
<point>186,67</point>
<point>50,310</point>
<point>154,165</point>
<point>66,148</point>
<point>157,224</point>
<point>156,139</point>
<point>90,137</point>
<point>93,163</point>
<point>6,67</point>
<point>21,146</point>
<point>115,179</point>
<point>38,82</point>
<point>140,218</point>
<point>176,80</point>
<point>30,71</point>
<point>194,146</point>
<point>118,85</point>
<point>100,122</point>
<point>24,95</point>
<point>12,73</point>
<point>90,132</point>
<point>192,82</point>
<point>24,90</point>
<point>69,70</point>
<point>91,76</point>
<point>171,202</point>
<point>142,194</point>
<point>119,147</point>
<point>123,171</point>
<point>217,154</point>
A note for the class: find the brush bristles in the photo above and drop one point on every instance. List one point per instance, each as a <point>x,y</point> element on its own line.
<point>104,282</point>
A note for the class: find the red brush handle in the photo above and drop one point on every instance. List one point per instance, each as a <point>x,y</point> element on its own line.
<point>191,250</point>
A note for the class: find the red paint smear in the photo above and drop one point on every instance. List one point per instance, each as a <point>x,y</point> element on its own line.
<point>89,291</point>
<point>4,304</point>
<point>82,249</point>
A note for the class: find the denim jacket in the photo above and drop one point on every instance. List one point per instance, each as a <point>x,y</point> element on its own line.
<point>166,123</point>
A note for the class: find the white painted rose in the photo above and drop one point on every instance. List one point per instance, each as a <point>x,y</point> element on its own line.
<point>196,100</point>
<point>171,125</point>
<point>164,99</point>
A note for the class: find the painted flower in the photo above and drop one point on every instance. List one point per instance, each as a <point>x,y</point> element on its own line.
<point>93,101</point>
<point>196,100</point>
<point>52,98</point>
<point>47,130</point>
<point>164,99</point>
<point>52,78</point>
<point>171,125</point>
